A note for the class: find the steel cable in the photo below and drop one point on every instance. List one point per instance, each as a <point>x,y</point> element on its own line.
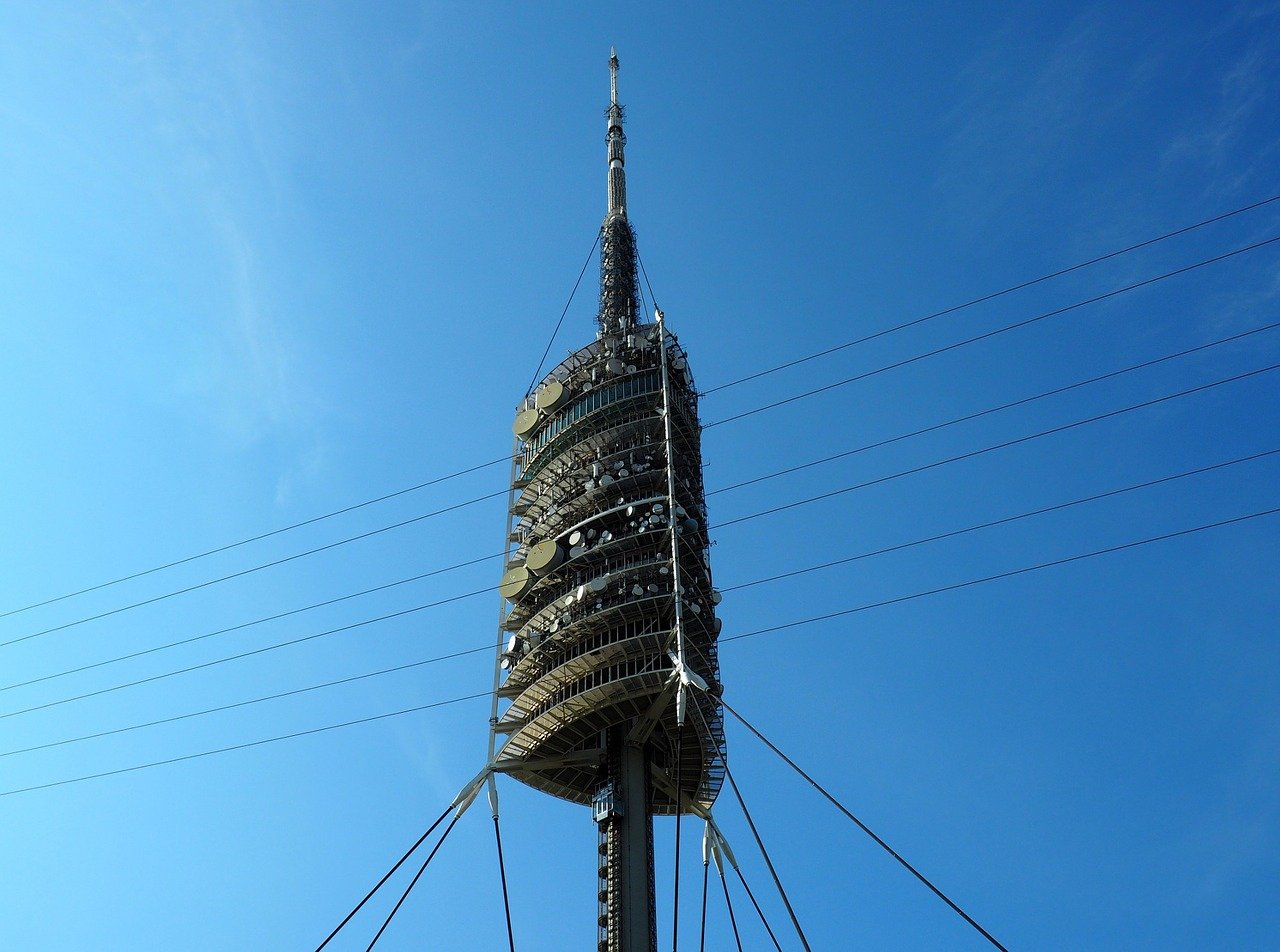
<point>730,383</point>
<point>754,480</point>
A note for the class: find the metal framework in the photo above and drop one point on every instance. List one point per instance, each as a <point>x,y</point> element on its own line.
<point>609,611</point>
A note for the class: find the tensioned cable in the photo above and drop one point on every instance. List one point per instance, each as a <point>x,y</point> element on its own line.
<point>759,631</point>
<point>882,443</point>
<point>543,359</point>
<point>252,653</point>
<point>320,518</point>
<point>992,333</point>
<point>730,383</point>
<point>702,934</point>
<point>739,520</point>
<point>761,581</point>
<point>733,921</point>
<point>1005,520</point>
<point>413,882</point>
<point>389,873</point>
<point>783,472</point>
<point>1012,573</point>
<point>866,829</point>
<point>502,872</point>
<point>249,571</point>
<point>997,409</point>
<point>755,833</point>
<point>249,744</point>
<point>257,538</point>
<point>256,700</point>
<point>998,446</point>
<point>243,625</point>
<point>675,890</point>
<point>992,296</point>
<point>760,912</point>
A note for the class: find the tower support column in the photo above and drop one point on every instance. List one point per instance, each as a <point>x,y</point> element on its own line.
<point>624,815</point>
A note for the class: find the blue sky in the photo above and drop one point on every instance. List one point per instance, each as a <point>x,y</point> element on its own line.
<point>266,260</point>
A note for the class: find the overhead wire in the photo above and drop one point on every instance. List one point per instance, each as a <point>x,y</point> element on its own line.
<point>1012,573</point>
<point>866,829</point>
<point>1057,507</point>
<point>239,704</point>
<point>1004,520</point>
<point>243,625</point>
<point>828,495</point>
<point>247,654</point>
<point>247,745</point>
<point>400,492</point>
<point>1022,401</point>
<point>253,569</point>
<point>993,295</point>
<point>759,912</point>
<point>1062,428</point>
<point>1003,329</point>
<point>733,486</point>
<point>499,493</point>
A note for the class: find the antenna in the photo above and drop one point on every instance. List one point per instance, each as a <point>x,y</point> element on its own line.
<point>608,628</point>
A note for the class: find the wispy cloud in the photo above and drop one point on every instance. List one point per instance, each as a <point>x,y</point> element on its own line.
<point>209,96</point>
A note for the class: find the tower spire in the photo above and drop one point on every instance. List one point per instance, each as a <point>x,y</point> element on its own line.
<point>617,141</point>
<point>619,297</point>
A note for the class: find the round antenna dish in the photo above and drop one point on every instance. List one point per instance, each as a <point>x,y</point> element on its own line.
<point>526,423</point>
<point>544,557</point>
<point>515,583</point>
<point>551,396</point>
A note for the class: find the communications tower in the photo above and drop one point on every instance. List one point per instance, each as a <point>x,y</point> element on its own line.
<point>607,660</point>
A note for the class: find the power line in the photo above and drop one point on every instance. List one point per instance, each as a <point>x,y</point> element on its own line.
<point>727,384</point>
<point>747,518</point>
<point>724,489</point>
<point>997,409</point>
<point>866,829</point>
<point>759,631</point>
<point>1005,520</point>
<point>783,472</point>
<point>992,333</point>
<point>764,852</point>
<point>256,538</point>
<point>248,624</point>
<point>999,446</point>
<point>250,571</point>
<point>732,588</point>
<point>993,295</point>
<point>247,745</point>
<point>733,921</point>
<point>257,700</point>
<point>246,654</point>
<point>1000,575</point>
<point>502,874</point>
